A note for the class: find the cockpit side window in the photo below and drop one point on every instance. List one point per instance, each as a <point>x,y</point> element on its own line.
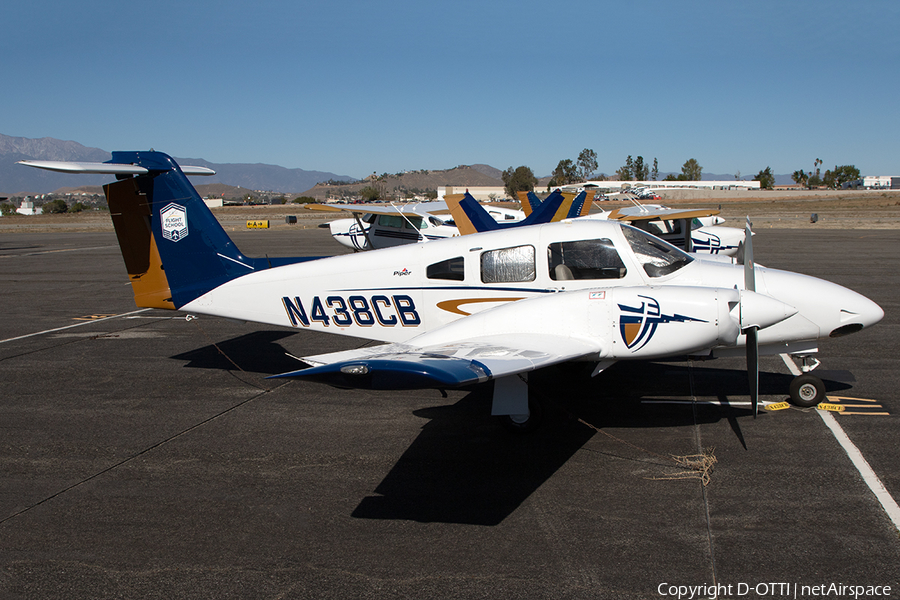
<point>413,222</point>
<point>508,265</point>
<point>584,259</point>
<point>390,221</point>
<point>453,269</point>
<point>656,256</point>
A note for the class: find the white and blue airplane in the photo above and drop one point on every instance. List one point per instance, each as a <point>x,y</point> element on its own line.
<point>707,236</point>
<point>472,309</point>
<point>373,227</point>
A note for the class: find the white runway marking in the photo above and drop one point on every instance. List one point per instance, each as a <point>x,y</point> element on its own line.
<point>862,465</point>
<point>22,337</point>
<point>859,461</point>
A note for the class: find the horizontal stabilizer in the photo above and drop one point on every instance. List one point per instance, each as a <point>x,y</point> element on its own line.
<point>96,168</point>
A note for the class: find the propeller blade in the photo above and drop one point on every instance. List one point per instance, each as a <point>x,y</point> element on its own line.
<point>749,263</point>
<point>751,332</point>
<point>753,367</point>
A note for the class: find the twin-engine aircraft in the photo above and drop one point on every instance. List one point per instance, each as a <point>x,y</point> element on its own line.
<point>467,310</point>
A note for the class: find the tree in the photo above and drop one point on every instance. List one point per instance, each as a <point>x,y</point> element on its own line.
<point>521,179</point>
<point>800,177</point>
<point>55,207</point>
<point>840,175</point>
<point>565,173</point>
<point>370,193</point>
<point>654,173</point>
<point>626,173</point>
<point>587,164</point>
<point>691,170</point>
<point>641,171</point>
<point>765,178</point>
<point>7,208</point>
<point>77,207</point>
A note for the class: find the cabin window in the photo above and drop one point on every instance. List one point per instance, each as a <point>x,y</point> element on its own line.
<point>585,259</point>
<point>413,222</point>
<point>390,221</point>
<point>508,265</point>
<point>404,221</point>
<point>452,269</point>
<point>656,256</point>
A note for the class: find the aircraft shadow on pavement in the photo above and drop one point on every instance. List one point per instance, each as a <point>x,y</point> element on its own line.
<point>257,352</point>
<point>464,468</point>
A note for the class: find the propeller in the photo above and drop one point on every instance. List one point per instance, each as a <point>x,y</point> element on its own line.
<point>752,331</point>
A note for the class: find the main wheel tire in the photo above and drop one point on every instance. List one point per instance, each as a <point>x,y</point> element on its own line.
<point>807,390</point>
<point>519,424</point>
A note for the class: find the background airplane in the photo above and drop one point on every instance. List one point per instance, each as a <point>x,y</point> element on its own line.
<point>463,311</point>
<point>662,221</point>
<point>669,224</point>
<point>373,227</point>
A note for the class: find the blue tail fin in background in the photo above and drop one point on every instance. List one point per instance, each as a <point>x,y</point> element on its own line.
<point>471,217</point>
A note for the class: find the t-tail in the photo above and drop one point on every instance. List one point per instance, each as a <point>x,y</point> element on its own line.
<point>174,248</point>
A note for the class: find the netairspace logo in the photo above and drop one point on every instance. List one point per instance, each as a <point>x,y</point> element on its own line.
<point>772,590</point>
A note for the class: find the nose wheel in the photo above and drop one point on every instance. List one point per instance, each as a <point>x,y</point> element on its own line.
<point>807,390</point>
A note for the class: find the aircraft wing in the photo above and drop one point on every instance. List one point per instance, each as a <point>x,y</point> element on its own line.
<point>448,365</point>
<point>658,214</point>
<point>439,208</point>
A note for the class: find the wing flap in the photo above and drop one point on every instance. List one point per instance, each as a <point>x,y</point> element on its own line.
<point>458,364</point>
<point>653,214</point>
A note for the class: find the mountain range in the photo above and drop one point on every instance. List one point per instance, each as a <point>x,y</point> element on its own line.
<point>18,180</point>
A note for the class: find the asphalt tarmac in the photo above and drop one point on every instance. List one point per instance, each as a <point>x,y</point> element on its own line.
<point>143,455</point>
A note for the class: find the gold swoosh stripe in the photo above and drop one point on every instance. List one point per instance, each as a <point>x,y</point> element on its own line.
<point>453,306</point>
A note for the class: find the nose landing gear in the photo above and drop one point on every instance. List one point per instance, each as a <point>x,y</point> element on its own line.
<point>807,390</point>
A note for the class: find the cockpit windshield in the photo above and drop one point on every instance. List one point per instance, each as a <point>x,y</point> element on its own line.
<point>656,256</point>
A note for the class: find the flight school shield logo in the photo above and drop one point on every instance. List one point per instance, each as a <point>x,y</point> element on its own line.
<point>638,324</point>
<point>174,222</point>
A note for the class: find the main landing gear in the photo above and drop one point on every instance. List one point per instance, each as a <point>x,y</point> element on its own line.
<point>806,389</point>
<point>513,406</point>
<point>524,423</point>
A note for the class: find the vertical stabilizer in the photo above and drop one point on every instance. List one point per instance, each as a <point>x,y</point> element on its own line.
<point>174,248</point>
<point>130,211</point>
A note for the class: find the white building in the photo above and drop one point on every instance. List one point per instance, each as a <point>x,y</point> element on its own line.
<point>871,182</point>
<point>27,207</point>
<point>654,185</point>
<point>482,193</point>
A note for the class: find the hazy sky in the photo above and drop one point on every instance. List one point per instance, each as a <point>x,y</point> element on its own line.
<point>360,87</point>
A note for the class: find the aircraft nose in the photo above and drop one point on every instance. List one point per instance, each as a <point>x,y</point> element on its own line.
<point>857,314</point>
